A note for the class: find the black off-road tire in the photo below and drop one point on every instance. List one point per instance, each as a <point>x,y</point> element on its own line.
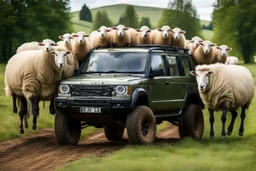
<point>67,129</point>
<point>141,125</point>
<point>113,133</point>
<point>192,122</point>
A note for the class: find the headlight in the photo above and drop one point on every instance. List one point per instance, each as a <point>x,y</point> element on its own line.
<point>121,90</point>
<point>64,89</point>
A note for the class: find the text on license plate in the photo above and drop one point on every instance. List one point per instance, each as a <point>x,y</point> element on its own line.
<point>90,110</point>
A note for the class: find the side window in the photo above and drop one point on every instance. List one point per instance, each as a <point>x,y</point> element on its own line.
<point>158,64</point>
<point>173,65</point>
<point>186,65</point>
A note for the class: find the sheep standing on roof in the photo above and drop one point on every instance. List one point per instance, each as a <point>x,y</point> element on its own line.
<point>178,38</point>
<point>220,54</point>
<point>232,60</point>
<point>47,45</point>
<point>226,88</point>
<point>33,76</point>
<point>204,53</point>
<point>193,44</point>
<point>144,36</point>
<point>100,37</point>
<point>81,45</point>
<point>66,41</point>
<point>162,36</point>
<point>120,36</point>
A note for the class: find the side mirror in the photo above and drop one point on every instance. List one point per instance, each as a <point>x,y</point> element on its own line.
<point>156,72</point>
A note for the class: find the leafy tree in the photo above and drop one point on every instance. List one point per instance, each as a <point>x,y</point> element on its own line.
<point>145,21</point>
<point>182,14</point>
<point>234,25</point>
<point>85,14</point>
<point>130,18</point>
<point>102,19</point>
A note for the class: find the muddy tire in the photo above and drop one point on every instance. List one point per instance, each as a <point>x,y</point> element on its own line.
<point>192,122</point>
<point>141,125</point>
<point>113,133</point>
<point>67,129</point>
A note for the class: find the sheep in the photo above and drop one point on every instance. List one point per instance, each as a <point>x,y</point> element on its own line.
<point>225,87</point>
<point>193,44</point>
<point>120,36</point>
<point>66,40</point>
<point>81,45</point>
<point>204,53</point>
<point>144,36</point>
<point>178,38</point>
<point>220,53</point>
<point>100,37</point>
<point>232,60</point>
<point>71,66</point>
<point>33,76</point>
<point>47,44</point>
<point>162,36</point>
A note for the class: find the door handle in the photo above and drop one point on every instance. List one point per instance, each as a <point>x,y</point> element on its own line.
<point>167,82</point>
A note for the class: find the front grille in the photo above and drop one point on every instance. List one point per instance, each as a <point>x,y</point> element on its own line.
<point>90,103</point>
<point>85,90</point>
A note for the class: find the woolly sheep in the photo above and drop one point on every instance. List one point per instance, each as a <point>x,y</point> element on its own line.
<point>226,88</point>
<point>204,53</point>
<point>162,36</point>
<point>220,53</point>
<point>193,44</point>
<point>100,37</point>
<point>81,45</point>
<point>178,38</point>
<point>33,76</point>
<point>66,40</point>
<point>47,45</point>
<point>144,36</point>
<point>232,60</point>
<point>120,36</point>
<point>134,34</point>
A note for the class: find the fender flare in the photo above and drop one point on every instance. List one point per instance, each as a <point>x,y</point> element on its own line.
<point>136,94</point>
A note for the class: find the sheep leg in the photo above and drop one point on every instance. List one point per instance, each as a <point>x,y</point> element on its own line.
<point>51,107</point>
<point>22,113</point>
<point>35,110</point>
<point>211,122</point>
<point>241,129</point>
<point>223,119</point>
<point>231,126</point>
<point>14,106</point>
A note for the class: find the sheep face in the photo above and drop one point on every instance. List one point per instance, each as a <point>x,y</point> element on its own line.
<point>120,30</point>
<point>60,58</point>
<point>66,38</point>
<point>144,30</point>
<point>80,37</point>
<point>207,46</point>
<point>203,79</point>
<point>47,44</point>
<point>103,31</point>
<point>177,33</point>
<point>223,50</point>
<point>165,31</point>
<point>196,41</point>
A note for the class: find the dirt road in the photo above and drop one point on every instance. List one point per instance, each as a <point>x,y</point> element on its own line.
<point>41,152</point>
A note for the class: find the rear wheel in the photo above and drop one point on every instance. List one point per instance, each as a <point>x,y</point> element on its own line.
<point>192,122</point>
<point>67,129</point>
<point>113,133</point>
<point>141,125</point>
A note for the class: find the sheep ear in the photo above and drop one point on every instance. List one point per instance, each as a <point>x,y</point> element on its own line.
<point>61,37</point>
<point>149,31</point>
<point>192,41</point>
<point>87,35</point>
<point>213,44</point>
<point>138,30</point>
<point>98,30</point>
<point>172,31</point>
<point>229,49</point>
<point>74,35</point>
<point>159,29</point>
<point>114,28</point>
<point>201,43</point>
<point>183,32</point>
<point>210,72</point>
<point>53,52</point>
<point>193,73</point>
<point>108,30</point>
<point>126,28</point>
<point>41,44</point>
<point>217,47</point>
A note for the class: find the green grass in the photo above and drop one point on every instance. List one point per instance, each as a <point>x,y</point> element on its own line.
<point>235,153</point>
<point>207,34</point>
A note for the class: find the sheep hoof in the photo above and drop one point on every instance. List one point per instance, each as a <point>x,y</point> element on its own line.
<point>52,111</point>
<point>22,131</point>
<point>241,133</point>
<point>229,133</point>
<point>15,110</point>
<point>223,138</point>
<point>34,127</point>
<point>211,137</point>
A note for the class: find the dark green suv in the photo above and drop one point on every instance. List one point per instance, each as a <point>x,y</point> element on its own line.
<point>130,87</point>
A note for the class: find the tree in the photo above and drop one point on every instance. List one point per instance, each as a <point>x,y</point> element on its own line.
<point>182,14</point>
<point>234,27</point>
<point>102,19</point>
<point>145,21</point>
<point>85,14</point>
<point>130,18</point>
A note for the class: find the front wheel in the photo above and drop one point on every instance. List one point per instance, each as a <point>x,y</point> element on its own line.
<point>192,122</point>
<point>67,129</point>
<point>141,125</point>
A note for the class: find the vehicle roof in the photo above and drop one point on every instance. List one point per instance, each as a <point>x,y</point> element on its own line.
<point>122,50</point>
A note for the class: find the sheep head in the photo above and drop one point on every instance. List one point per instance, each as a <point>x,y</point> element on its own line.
<point>177,33</point>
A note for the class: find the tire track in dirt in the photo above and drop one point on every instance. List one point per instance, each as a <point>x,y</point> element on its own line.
<point>40,151</point>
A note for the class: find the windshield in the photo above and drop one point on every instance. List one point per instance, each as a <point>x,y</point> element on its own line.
<point>115,62</point>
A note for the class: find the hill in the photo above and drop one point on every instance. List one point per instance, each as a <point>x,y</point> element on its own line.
<point>115,11</point>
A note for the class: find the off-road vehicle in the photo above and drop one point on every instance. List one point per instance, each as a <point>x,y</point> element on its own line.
<point>130,87</point>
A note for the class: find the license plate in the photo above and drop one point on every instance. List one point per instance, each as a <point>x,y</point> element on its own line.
<point>90,110</point>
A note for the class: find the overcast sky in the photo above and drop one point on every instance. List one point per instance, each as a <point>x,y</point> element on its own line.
<point>204,8</point>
